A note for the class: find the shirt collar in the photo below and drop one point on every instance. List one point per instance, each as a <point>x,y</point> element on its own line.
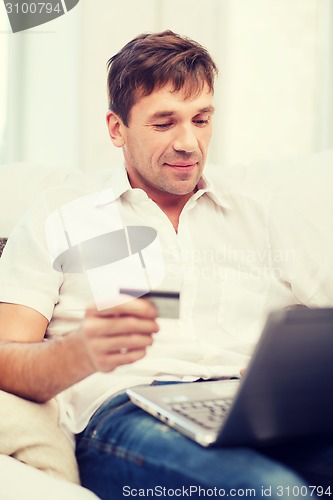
<point>207,186</point>
<point>119,184</point>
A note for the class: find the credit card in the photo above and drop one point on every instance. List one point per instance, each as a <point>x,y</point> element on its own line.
<point>166,303</point>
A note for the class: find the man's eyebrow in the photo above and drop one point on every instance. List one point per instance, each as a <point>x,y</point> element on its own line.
<point>167,114</point>
<point>208,109</point>
<point>161,114</point>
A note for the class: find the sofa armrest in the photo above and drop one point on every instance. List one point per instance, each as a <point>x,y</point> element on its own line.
<point>3,242</point>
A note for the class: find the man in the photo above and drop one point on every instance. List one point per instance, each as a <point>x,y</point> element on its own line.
<point>218,252</point>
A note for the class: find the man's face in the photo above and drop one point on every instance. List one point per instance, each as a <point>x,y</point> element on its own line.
<point>166,143</point>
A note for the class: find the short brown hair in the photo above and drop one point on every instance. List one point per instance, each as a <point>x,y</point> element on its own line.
<point>150,61</point>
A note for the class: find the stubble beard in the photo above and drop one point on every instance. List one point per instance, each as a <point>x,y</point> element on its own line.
<point>185,184</point>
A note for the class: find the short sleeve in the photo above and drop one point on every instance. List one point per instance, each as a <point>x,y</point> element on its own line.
<point>27,276</point>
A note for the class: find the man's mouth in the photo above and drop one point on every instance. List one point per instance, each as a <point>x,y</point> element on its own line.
<point>182,165</point>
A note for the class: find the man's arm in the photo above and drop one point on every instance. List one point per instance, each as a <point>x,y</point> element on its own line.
<point>38,370</point>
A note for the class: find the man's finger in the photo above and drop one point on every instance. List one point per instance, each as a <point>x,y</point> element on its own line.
<point>126,305</point>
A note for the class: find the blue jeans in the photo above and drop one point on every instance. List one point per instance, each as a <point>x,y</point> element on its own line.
<point>125,452</point>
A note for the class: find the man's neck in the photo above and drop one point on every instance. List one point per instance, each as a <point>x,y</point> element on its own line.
<point>172,207</point>
<point>171,204</point>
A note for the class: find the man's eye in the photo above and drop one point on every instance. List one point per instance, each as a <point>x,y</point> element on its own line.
<point>201,123</point>
<point>162,125</point>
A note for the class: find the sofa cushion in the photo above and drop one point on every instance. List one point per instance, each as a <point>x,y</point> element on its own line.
<point>21,184</point>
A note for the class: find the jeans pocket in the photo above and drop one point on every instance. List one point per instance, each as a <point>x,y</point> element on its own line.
<point>110,408</point>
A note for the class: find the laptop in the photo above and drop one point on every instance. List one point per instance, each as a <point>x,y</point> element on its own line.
<point>286,393</point>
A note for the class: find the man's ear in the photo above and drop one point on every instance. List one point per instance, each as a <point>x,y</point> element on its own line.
<point>116,128</point>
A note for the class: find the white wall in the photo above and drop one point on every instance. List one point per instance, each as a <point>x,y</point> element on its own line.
<point>43,101</point>
<point>3,83</point>
<point>273,96</point>
<point>268,106</point>
<point>324,95</point>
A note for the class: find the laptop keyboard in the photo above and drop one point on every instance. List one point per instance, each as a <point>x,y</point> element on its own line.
<point>208,414</point>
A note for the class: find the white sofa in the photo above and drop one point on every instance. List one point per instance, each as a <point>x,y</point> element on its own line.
<point>22,482</point>
<point>20,185</point>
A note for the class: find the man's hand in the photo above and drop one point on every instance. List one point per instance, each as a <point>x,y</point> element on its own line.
<point>38,370</point>
<point>119,335</point>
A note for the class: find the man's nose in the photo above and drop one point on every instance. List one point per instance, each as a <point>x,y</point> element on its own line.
<point>185,140</point>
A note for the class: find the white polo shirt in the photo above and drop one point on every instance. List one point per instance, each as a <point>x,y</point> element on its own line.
<point>241,251</point>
